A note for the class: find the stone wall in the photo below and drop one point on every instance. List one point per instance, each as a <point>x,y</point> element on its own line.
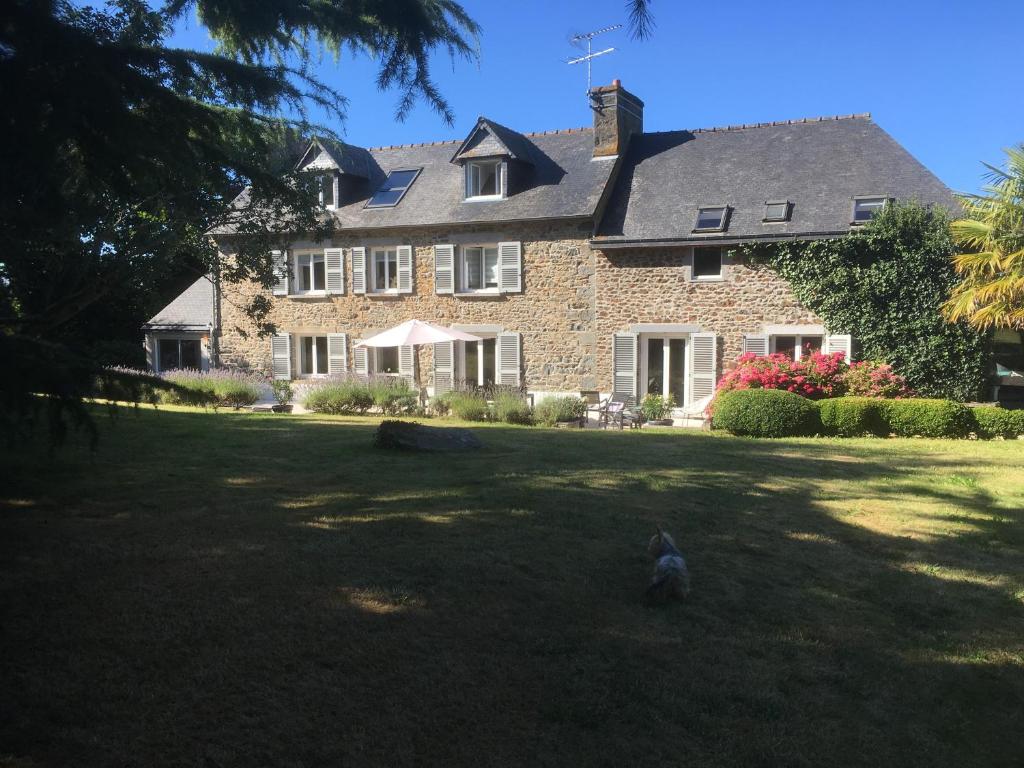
<point>654,286</point>
<point>554,314</point>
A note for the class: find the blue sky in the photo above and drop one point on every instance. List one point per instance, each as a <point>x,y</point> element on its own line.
<point>939,76</point>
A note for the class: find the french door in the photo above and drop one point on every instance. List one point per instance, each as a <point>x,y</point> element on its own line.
<point>663,366</point>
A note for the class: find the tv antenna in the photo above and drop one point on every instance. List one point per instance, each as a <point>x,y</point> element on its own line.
<point>591,53</point>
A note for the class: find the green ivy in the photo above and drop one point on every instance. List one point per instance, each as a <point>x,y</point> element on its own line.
<point>884,284</point>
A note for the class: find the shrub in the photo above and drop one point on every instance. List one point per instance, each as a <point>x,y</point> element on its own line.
<point>926,418</point>
<point>392,396</point>
<point>440,405</point>
<point>511,408</point>
<point>991,421</point>
<point>230,388</point>
<point>554,409</point>
<point>468,406</point>
<point>337,396</point>
<point>654,407</point>
<point>766,413</point>
<point>852,417</point>
<point>282,390</point>
<point>815,376</point>
<point>875,379</point>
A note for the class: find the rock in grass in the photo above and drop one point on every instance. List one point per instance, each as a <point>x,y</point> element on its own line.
<point>410,436</point>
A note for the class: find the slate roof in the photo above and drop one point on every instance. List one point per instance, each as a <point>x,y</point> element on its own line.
<point>489,139</point>
<point>819,165</point>
<point>192,310</point>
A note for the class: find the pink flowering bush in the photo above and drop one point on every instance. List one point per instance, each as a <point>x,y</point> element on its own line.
<point>816,376</point>
<point>875,379</point>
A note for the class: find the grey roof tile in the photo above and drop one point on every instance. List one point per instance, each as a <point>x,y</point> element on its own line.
<point>818,165</point>
<point>191,310</point>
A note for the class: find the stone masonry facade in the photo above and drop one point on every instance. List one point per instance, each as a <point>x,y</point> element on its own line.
<point>574,299</point>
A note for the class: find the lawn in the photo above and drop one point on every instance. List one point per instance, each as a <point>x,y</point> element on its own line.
<point>241,590</point>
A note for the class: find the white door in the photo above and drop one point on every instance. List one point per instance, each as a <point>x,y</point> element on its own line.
<point>663,366</point>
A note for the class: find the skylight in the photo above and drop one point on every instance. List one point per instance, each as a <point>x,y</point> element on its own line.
<point>865,208</point>
<point>393,189</point>
<point>712,219</point>
<point>776,210</point>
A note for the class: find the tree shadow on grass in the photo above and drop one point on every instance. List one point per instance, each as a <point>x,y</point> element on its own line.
<point>275,591</point>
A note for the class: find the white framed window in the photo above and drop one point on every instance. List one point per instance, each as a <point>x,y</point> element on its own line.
<point>328,188</point>
<point>313,360</point>
<point>484,179</point>
<point>478,360</point>
<point>866,208</point>
<point>384,270</point>
<point>777,210</point>
<point>707,263</point>
<point>713,218</point>
<point>796,346</point>
<point>386,361</point>
<point>310,273</point>
<point>478,268</point>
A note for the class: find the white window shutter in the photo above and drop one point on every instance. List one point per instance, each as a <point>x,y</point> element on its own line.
<point>840,343</point>
<point>509,361</point>
<point>444,269</point>
<point>359,270</point>
<point>703,365</point>
<point>337,354</point>
<point>510,267</point>
<point>756,343</point>
<point>334,264</point>
<point>280,261</point>
<point>407,362</point>
<point>405,269</point>
<point>624,371</point>
<point>281,355</point>
<point>361,360</point>
<point>444,367</point>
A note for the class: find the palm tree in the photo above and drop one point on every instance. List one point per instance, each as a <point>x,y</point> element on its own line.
<point>991,292</point>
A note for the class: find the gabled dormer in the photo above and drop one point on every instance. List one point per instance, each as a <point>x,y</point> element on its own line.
<point>496,161</point>
<point>341,170</point>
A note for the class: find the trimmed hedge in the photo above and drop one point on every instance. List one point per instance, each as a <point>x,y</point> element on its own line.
<point>990,421</point>
<point>852,417</point>
<point>766,413</point>
<point>926,418</point>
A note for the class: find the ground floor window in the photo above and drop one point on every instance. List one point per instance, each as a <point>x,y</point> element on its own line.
<point>479,362</point>
<point>796,347</point>
<point>313,355</point>
<point>1008,352</point>
<point>179,353</point>
<point>663,362</point>
<point>387,360</point>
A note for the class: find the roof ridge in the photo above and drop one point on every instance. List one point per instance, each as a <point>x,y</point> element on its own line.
<point>459,141</point>
<point>776,123</point>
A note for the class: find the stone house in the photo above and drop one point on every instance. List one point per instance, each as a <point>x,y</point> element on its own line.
<point>589,259</point>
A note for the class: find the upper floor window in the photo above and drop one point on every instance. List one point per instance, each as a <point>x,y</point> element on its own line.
<point>712,219</point>
<point>707,263</point>
<point>328,185</point>
<point>310,273</point>
<point>393,189</point>
<point>479,268</point>
<point>483,179</point>
<point>776,210</point>
<point>384,270</point>
<point>865,208</point>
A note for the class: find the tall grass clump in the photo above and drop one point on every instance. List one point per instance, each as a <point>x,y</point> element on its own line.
<point>337,396</point>
<point>467,405</point>
<point>554,409</point>
<point>511,407</point>
<point>221,386</point>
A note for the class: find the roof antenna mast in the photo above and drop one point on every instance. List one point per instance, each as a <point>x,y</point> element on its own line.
<point>591,54</point>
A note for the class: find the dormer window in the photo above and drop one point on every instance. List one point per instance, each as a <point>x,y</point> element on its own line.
<point>484,179</point>
<point>866,208</point>
<point>713,218</point>
<point>776,210</point>
<point>393,189</point>
<point>328,185</point>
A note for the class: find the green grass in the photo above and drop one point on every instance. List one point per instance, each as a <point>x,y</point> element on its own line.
<point>235,589</point>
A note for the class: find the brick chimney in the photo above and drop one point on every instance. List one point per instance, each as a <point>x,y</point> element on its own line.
<point>618,114</point>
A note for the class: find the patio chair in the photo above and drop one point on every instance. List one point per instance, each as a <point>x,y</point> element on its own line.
<point>597,407</point>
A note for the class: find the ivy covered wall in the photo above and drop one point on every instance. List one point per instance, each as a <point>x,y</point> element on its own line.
<point>885,284</point>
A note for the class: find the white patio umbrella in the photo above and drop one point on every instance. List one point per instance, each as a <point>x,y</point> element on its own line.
<point>414,332</point>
